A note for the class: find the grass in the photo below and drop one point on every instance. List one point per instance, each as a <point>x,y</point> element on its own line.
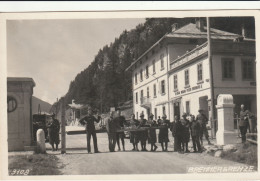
<point>36,164</point>
<point>246,153</point>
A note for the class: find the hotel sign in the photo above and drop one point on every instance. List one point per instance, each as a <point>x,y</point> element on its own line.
<point>188,90</point>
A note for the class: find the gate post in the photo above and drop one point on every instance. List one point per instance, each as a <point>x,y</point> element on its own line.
<point>63,129</point>
<point>226,133</point>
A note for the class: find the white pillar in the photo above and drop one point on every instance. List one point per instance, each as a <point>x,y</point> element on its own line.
<point>40,141</point>
<point>225,133</point>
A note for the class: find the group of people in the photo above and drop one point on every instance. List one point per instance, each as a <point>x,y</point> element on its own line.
<point>145,130</point>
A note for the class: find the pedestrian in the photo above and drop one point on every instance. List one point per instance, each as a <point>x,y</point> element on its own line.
<point>143,134</point>
<point>111,131</point>
<point>195,134</point>
<point>177,130</point>
<point>54,130</point>
<point>163,133</point>
<point>243,123</point>
<point>186,133</point>
<point>203,120</point>
<point>120,120</point>
<point>152,139</point>
<point>134,139</point>
<point>89,122</point>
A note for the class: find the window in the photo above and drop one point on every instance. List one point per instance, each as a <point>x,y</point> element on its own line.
<point>162,61</point>
<point>247,69</point>
<point>199,69</point>
<point>136,97</point>
<point>154,90</point>
<point>228,68</point>
<point>135,78</point>
<point>11,104</point>
<point>141,75</point>
<point>175,82</point>
<point>154,71</point>
<point>147,71</point>
<point>187,78</point>
<point>148,92</point>
<point>163,87</point>
<point>141,97</point>
<point>163,110</point>
<point>188,107</point>
<point>155,113</point>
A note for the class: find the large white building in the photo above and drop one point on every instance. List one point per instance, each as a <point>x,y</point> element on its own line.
<point>172,76</point>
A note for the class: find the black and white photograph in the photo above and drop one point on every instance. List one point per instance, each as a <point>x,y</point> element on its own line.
<point>124,94</point>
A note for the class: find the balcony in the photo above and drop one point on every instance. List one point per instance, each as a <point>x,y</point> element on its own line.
<point>145,102</point>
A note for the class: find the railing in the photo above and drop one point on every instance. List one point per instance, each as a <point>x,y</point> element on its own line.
<point>189,56</point>
<point>146,102</point>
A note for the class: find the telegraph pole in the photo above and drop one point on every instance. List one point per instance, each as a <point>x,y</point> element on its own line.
<point>63,124</point>
<point>211,79</point>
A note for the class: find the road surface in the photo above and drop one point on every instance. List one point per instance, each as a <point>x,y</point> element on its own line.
<point>76,161</point>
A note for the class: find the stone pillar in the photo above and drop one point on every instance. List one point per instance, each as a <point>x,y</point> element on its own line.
<point>225,133</point>
<point>40,141</point>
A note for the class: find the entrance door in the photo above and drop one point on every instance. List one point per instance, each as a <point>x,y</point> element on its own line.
<point>176,108</point>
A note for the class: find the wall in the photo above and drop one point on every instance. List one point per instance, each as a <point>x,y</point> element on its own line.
<point>19,121</point>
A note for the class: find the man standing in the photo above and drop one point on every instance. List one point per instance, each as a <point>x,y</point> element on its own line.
<point>177,130</point>
<point>243,123</point>
<point>134,139</point>
<point>195,134</point>
<point>143,134</point>
<point>111,132</point>
<point>152,133</point>
<point>163,133</point>
<point>203,120</point>
<point>120,120</point>
<point>89,121</point>
<point>54,129</point>
<point>186,133</point>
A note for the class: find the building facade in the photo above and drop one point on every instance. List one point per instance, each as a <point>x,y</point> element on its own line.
<point>173,76</point>
<point>19,108</point>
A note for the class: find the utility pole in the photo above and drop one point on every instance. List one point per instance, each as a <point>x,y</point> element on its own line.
<point>211,79</point>
<point>63,124</point>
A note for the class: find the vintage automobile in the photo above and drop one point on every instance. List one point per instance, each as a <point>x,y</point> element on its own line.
<point>40,121</point>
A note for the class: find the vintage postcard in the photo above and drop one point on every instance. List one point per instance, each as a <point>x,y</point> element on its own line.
<point>129,95</point>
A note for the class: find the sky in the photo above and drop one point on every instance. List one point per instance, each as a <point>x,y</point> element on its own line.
<point>53,52</point>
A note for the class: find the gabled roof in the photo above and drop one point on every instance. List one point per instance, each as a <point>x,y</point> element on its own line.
<point>191,31</point>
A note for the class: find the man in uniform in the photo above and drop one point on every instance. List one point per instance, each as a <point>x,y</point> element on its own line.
<point>203,120</point>
<point>134,139</point>
<point>243,123</point>
<point>53,130</point>
<point>152,133</point>
<point>186,133</point>
<point>111,132</point>
<point>143,134</point>
<point>163,133</point>
<point>89,121</point>
<point>177,130</point>
<point>120,120</point>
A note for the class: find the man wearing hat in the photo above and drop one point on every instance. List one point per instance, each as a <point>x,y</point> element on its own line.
<point>152,133</point>
<point>163,133</point>
<point>177,130</point>
<point>143,134</point>
<point>203,120</point>
<point>120,121</point>
<point>186,132</point>
<point>53,130</point>
<point>134,139</point>
<point>89,122</point>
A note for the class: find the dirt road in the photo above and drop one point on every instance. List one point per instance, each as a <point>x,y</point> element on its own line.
<point>78,162</point>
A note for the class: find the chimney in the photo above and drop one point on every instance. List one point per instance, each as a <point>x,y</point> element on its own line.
<point>174,27</point>
<point>200,24</point>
